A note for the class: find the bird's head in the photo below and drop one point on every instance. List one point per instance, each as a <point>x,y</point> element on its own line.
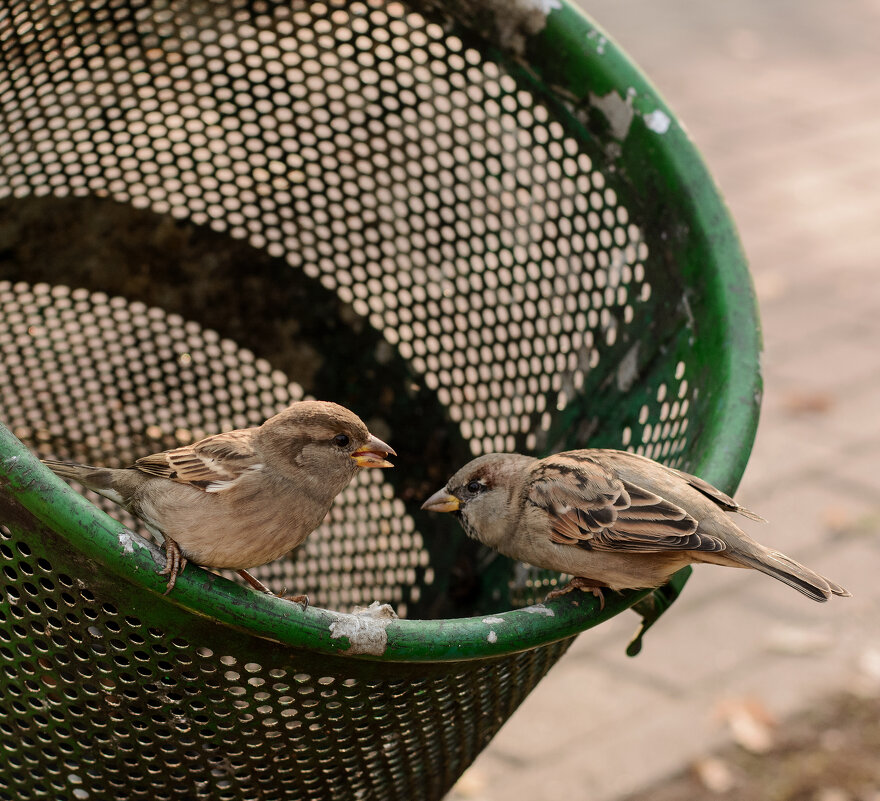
<point>485,495</point>
<point>323,442</point>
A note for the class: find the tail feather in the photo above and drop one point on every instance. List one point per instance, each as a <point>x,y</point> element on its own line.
<point>78,472</point>
<point>790,572</point>
<point>97,479</point>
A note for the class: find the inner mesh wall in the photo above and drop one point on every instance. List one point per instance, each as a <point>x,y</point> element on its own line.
<point>374,152</point>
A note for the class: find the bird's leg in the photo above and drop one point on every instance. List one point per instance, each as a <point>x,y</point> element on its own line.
<point>254,582</point>
<point>175,561</point>
<point>578,583</point>
<point>258,585</point>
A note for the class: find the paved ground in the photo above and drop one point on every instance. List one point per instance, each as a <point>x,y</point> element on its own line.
<point>783,99</point>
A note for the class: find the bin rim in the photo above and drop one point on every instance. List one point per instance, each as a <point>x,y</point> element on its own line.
<point>728,434</point>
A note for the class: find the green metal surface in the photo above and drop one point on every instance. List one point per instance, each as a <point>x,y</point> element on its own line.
<point>107,542</point>
<point>479,227</point>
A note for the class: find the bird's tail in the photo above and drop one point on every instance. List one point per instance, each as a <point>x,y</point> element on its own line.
<point>78,472</point>
<point>98,479</point>
<point>785,569</point>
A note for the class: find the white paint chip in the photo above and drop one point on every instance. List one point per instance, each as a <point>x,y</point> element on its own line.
<point>539,609</point>
<point>126,541</point>
<point>366,635</point>
<point>545,6</point>
<point>491,620</point>
<point>657,121</point>
<point>493,637</point>
<point>617,110</point>
<point>376,610</point>
<point>601,41</point>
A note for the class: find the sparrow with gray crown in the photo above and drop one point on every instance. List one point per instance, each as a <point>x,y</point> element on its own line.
<point>609,519</point>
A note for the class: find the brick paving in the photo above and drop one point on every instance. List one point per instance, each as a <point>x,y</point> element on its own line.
<point>783,100</point>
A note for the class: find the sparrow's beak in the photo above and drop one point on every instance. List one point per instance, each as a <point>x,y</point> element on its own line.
<point>442,501</point>
<point>373,454</point>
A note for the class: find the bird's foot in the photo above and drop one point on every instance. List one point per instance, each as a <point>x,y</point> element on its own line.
<point>258,585</point>
<point>578,583</point>
<point>175,562</point>
<point>298,599</point>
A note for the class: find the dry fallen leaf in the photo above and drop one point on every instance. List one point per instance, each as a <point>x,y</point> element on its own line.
<point>750,723</point>
<point>807,402</point>
<point>837,519</point>
<point>714,774</point>
<point>844,523</point>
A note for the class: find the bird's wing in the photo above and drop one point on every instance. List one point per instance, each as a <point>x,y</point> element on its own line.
<point>212,464</point>
<point>591,507</point>
<point>714,494</point>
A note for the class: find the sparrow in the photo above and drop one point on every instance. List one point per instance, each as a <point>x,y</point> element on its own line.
<point>610,519</point>
<point>242,498</point>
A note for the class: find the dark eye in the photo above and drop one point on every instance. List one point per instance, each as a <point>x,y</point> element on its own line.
<point>341,440</point>
<point>474,487</point>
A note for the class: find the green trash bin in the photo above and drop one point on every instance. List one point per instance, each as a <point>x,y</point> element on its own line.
<point>476,225</point>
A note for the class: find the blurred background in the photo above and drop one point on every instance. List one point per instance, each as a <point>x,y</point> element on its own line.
<point>783,100</point>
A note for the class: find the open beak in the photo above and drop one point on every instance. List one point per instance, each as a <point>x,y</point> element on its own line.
<point>373,454</point>
<point>442,501</point>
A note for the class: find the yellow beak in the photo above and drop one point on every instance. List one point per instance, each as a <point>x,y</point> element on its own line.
<point>373,453</point>
<point>442,501</point>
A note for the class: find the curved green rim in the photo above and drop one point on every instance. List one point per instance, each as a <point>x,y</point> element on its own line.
<point>575,41</point>
<point>657,154</point>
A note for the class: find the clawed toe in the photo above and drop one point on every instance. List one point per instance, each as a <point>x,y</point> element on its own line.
<point>297,599</point>
<point>175,562</point>
<point>578,583</point>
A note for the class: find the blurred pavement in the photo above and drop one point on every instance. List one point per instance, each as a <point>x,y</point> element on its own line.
<point>783,101</point>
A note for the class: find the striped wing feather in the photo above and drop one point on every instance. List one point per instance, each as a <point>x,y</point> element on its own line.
<point>208,464</point>
<point>591,507</point>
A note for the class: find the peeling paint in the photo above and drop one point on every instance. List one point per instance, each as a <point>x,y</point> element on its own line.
<point>601,41</point>
<point>617,110</point>
<point>657,121</point>
<point>490,620</point>
<point>691,320</point>
<point>493,637</point>
<point>376,610</point>
<point>506,23</point>
<point>544,6</point>
<point>539,609</point>
<point>366,635</point>
<point>126,541</point>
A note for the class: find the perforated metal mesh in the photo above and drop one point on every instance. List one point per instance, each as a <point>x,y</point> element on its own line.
<point>211,208</point>
<point>102,381</point>
<point>408,173</point>
<point>99,704</point>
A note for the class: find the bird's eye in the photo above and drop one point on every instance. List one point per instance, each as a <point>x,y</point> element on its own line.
<point>341,440</point>
<point>474,487</point>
